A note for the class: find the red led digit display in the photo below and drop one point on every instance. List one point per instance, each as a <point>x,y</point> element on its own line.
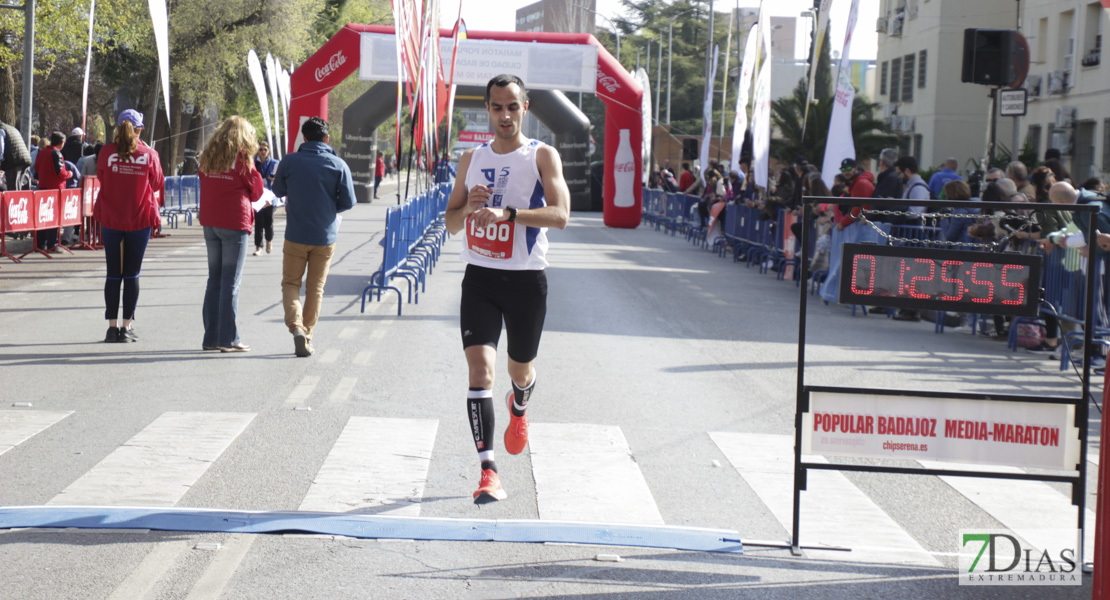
<point>950,280</point>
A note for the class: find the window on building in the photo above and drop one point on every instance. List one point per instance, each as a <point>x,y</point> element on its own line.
<point>1106,145</point>
<point>918,142</point>
<point>895,78</point>
<point>1033,139</point>
<point>882,78</point>
<point>1042,40</point>
<point>921,58</point>
<point>907,77</point>
<point>1092,37</point>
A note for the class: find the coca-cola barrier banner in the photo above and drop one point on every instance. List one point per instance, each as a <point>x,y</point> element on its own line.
<point>47,211</point>
<point>90,193</point>
<point>340,56</point>
<point>19,211</point>
<point>70,208</point>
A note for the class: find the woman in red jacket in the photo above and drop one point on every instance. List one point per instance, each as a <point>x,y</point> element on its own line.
<point>129,173</point>
<point>229,184</point>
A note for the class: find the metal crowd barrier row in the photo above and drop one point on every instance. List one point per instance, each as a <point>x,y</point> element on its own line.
<point>411,244</point>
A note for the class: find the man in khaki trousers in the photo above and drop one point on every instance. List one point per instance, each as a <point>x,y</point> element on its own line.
<point>317,187</point>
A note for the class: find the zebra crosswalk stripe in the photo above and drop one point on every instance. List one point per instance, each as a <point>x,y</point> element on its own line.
<point>611,490</point>
<point>375,462</point>
<point>1032,509</point>
<point>18,426</point>
<point>834,512</point>
<point>159,464</point>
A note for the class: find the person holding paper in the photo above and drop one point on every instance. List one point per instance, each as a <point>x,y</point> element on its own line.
<point>229,183</point>
<point>266,165</point>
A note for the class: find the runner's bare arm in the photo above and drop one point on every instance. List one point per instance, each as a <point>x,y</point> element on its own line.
<point>463,202</point>
<point>557,212</point>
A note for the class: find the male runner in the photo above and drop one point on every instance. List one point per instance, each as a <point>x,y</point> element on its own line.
<point>507,193</point>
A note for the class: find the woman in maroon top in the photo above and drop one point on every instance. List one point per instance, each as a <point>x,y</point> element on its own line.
<point>52,172</point>
<point>129,172</point>
<point>229,184</point>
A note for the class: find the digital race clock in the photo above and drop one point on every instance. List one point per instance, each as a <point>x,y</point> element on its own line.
<point>948,280</point>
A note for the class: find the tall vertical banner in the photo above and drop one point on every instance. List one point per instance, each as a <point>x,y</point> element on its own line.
<point>740,123</point>
<point>761,107</point>
<point>818,42</point>
<point>160,20</point>
<point>88,68</point>
<point>271,80</point>
<point>841,144</point>
<point>458,35</point>
<point>707,115</point>
<point>645,120</point>
<point>254,67</point>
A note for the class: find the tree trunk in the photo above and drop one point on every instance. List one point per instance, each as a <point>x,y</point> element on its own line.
<point>7,95</point>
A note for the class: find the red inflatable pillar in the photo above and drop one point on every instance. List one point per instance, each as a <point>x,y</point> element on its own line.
<point>623,187</point>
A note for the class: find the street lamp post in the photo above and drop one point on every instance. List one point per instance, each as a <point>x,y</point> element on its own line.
<point>616,30</point>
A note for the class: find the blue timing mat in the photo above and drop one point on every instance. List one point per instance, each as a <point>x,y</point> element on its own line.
<point>371,526</point>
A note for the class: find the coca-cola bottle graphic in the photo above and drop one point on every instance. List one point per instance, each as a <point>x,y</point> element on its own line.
<point>624,171</point>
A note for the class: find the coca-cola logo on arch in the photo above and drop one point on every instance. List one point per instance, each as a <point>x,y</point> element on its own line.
<point>607,82</point>
<point>334,63</point>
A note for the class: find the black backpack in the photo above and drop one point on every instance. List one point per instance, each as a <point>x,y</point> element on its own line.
<point>16,155</point>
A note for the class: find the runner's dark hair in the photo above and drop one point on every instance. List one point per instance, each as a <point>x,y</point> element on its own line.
<point>503,80</point>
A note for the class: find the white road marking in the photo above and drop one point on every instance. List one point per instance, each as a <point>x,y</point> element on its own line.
<point>142,580</point>
<point>1029,508</point>
<point>348,333</point>
<point>362,358</point>
<point>303,390</point>
<point>343,390</point>
<point>159,464</point>
<point>330,355</point>
<point>18,426</point>
<point>376,462</point>
<point>222,568</point>
<point>611,490</point>
<point>834,512</point>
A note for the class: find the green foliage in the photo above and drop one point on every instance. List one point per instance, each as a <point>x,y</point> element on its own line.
<point>871,135</point>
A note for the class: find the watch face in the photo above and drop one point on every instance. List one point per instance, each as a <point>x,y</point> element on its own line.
<point>951,280</point>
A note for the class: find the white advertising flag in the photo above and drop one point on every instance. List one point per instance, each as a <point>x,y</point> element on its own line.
<point>645,114</point>
<point>815,53</point>
<point>271,80</point>
<point>761,109</point>
<point>259,81</point>
<point>740,124</point>
<point>840,143</point>
<point>707,116</point>
<point>161,24</point>
<point>88,66</point>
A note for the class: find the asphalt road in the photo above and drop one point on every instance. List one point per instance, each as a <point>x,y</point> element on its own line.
<point>673,358</point>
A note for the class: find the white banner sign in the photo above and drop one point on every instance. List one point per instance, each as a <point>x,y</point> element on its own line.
<point>983,432</point>
<point>566,67</point>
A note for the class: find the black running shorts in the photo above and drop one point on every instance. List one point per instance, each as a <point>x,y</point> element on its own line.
<point>492,295</point>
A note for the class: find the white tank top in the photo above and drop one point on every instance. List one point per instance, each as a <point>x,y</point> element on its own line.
<point>515,181</point>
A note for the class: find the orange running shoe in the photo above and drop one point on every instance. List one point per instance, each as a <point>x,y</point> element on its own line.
<point>516,434</point>
<point>489,489</point>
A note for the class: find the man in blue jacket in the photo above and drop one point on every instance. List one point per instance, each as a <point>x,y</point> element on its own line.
<point>317,187</point>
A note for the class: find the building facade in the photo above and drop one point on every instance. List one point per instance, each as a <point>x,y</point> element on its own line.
<point>1068,86</point>
<point>920,63</point>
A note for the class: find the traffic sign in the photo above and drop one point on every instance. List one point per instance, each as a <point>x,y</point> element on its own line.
<point>1011,103</point>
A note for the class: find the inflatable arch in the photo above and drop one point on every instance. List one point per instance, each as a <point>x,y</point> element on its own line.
<point>622,191</point>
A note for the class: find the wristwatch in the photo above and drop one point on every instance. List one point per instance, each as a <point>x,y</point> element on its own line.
<point>512,214</point>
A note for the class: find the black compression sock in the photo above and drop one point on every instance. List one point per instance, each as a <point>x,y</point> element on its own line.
<point>479,404</point>
<point>489,464</point>
<point>521,397</point>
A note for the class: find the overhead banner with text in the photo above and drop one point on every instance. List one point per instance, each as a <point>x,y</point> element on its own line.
<point>564,67</point>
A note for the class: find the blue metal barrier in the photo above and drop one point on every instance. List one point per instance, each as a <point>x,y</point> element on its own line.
<point>411,245</point>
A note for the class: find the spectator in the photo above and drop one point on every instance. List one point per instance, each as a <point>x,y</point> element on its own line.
<point>1051,154</point>
<point>667,180</point>
<point>229,183</point>
<point>379,172</point>
<point>86,167</point>
<point>686,179</point>
<point>953,228</point>
<point>860,183</point>
<point>887,184</point>
<point>75,145</point>
<point>51,167</point>
<point>1058,170</point>
<point>266,166</point>
<point>993,176</point>
<point>798,173</point>
<point>317,186</point>
<point>667,166</point>
<point>1063,193</point>
<point>915,187</point>
<point>695,188</point>
<point>943,176</point>
<point>1018,172</point>
<point>1094,184</point>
